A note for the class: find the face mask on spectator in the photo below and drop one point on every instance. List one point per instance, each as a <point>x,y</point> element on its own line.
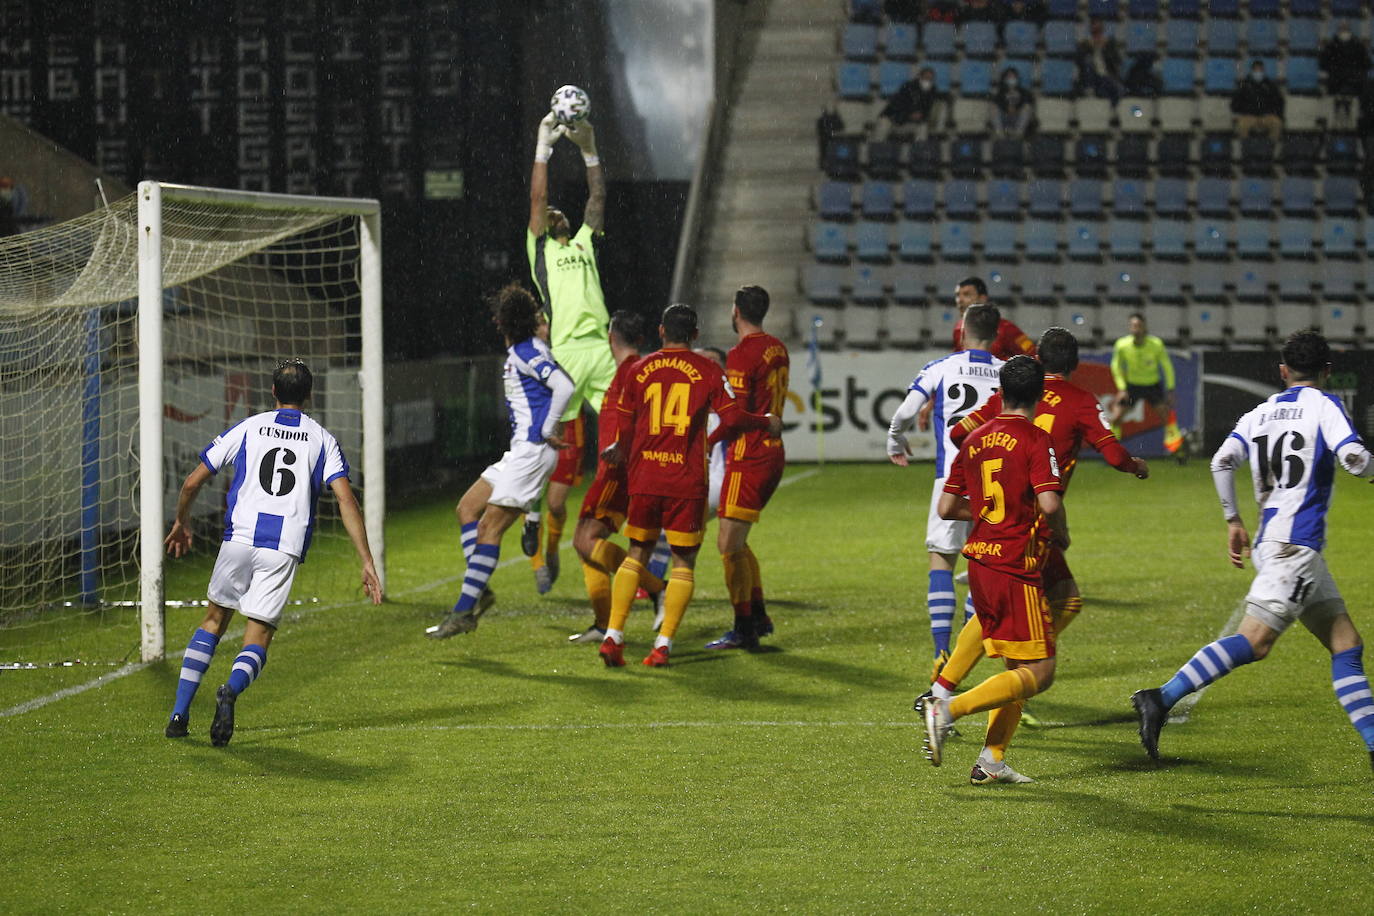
<point>926,84</point>
<point>1343,34</point>
<point>1012,80</point>
<point>1257,75</point>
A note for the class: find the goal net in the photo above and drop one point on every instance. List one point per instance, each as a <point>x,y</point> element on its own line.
<point>129,339</point>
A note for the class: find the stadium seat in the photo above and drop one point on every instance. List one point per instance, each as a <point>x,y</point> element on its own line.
<point>1256,197</point>
<point>1253,239</point>
<point>1214,155</point>
<point>1047,156</point>
<point>872,241</point>
<point>823,282</point>
<point>1338,279</point>
<point>956,241</point>
<point>854,81</point>
<point>1206,323</point>
<point>1042,240</point>
<point>1169,239</point>
<point>1004,199</point>
<point>918,199</point>
<point>899,41</point>
<point>1124,283</point>
<point>1222,37</point>
<point>1271,9</point>
<point>891,75</point>
<point>1342,154</point>
<point>1165,280</point>
<point>1296,283</point>
<point>1062,9</point>
<point>1257,156</point>
<point>1211,239</point>
<point>1207,281</point>
<point>1300,154</point>
<point>1034,318</point>
<point>1340,196</point>
<point>1214,114</point>
<point>878,200</point>
<point>1000,239</point>
<point>925,159</point>
<point>1338,322</point>
<point>1224,8</point>
<point>1143,9</point>
<point>830,241</point>
<point>1126,239</point>
<point>860,41</point>
<point>1213,197</point>
<point>1021,38</point>
<point>914,240</point>
<point>979,39</point>
<point>1104,9</point>
<point>1311,9</point>
<point>1037,286</point>
<point>1093,115</point>
<point>1346,8</point>
<point>908,288</point>
<point>970,116</point>
<point>1008,157</point>
<point>857,115</point>
<point>1171,198</point>
<point>1057,78</point>
<point>1249,322</point>
<point>937,40</point>
<point>1304,113</point>
<point>966,157</point>
<point>867,283</point>
<point>999,274</point>
<point>1081,281</point>
<point>884,159</point>
<point>1297,236</point>
<point>1173,155</point>
<point>1176,114</point>
<point>1054,115</point>
<point>835,200</point>
<point>1136,115</point>
<point>1061,39</point>
<point>1297,196</point>
<point>1180,39</point>
<point>1339,237</point>
<point>842,157</point>
<point>1046,198</point>
<point>863,322</point>
<point>1302,75</point>
<point>1303,36</point>
<point>1085,198</point>
<point>975,79</point>
<point>1085,240</point>
<point>943,70</point>
<point>1261,37</point>
<point>1128,198</point>
<point>1178,75</point>
<point>865,11</point>
<point>1219,76</point>
<point>1184,8</point>
<point>1090,155</point>
<point>1024,68</point>
<point>961,199</point>
<point>1141,36</point>
<point>1133,156</point>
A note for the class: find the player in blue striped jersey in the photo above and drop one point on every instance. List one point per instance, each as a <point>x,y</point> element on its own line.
<point>282,460</point>
<point>955,385</point>
<point>537,393</point>
<point>1294,442</point>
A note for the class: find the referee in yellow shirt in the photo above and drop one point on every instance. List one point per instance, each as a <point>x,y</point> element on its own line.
<point>1143,371</point>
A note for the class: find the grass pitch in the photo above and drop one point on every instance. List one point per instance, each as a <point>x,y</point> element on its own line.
<point>506,770</point>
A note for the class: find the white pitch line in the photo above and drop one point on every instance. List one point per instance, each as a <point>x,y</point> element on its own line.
<point>40,702</point>
<point>598,726</point>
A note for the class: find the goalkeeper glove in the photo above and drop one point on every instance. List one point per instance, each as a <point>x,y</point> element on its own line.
<point>549,132</point>
<point>584,136</point>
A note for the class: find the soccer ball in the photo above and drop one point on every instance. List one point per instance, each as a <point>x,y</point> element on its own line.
<point>570,104</point>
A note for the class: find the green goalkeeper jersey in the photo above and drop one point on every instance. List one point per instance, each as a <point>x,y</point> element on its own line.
<point>1144,364</point>
<point>569,281</point>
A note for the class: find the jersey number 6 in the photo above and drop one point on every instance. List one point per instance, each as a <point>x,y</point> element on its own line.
<point>269,473</point>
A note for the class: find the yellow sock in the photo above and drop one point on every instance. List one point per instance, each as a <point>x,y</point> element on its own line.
<point>1064,612</point>
<point>537,561</point>
<point>553,530</point>
<point>623,589</point>
<point>681,584</point>
<point>739,581</point>
<point>754,576</point>
<point>1001,726</point>
<point>998,690</point>
<point>968,650</point>
<point>608,555</point>
<point>598,592</point>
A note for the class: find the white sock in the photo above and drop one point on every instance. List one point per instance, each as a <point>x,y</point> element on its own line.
<point>940,691</point>
<point>618,636</point>
<point>663,642</point>
<point>988,764</point>
<point>532,517</point>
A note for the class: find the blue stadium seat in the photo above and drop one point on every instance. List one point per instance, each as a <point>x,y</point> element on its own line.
<point>1169,239</point>
<point>1062,9</point>
<point>1024,68</point>
<point>1346,8</point>
<point>1219,76</point>
<point>1085,198</point>
<point>824,283</point>
<point>830,241</point>
<point>1090,155</point>
<point>1214,197</point>
<point>961,199</point>
<point>918,199</point>
<point>1304,36</point>
<point>1296,237</point>
<point>1223,38</point>
<point>1341,196</point>
<point>1085,243</point>
<point>1173,155</point>
<point>999,239</point>
<point>1008,157</point>
<point>1229,9</point>
<point>1042,240</point>
<point>1057,77</point>
<point>835,200</point>
<point>1252,283</point>
<point>1256,197</point>
<point>937,40</point>
<point>872,241</point>
<point>1297,196</point>
<point>1253,238</point>
<point>1300,153</point>
<point>1302,75</point>
<point>1126,239</point>
<point>1257,156</point>
<point>891,75</point>
<point>1171,197</point>
<point>842,157</point>
<point>1128,198</point>
<point>1046,155</point>
<point>1046,198</point>
<point>1180,37</point>
<point>884,159</point>
<point>1166,281</point>
<point>966,157</point>
<point>975,79</point>
<point>899,41</point>
<point>1133,156</point>
<point>1021,39</point>
<point>1310,9</point>
<point>1038,286</point>
<point>979,39</point>
<point>908,288</point>
<point>853,81</point>
<point>860,41</point>
<point>956,241</point>
<point>1261,37</point>
<point>925,159</point>
<point>866,282</point>
<point>1004,199</point>
<point>942,70</point>
<point>1141,36</point>
<point>1265,9</point>
<point>1342,154</point>
<point>1296,283</point>
<point>1124,284</point>
<point>1338,281</point>
<point>1339,237</point>
<point>1185,9</point>
<point>1061,39</point>
<point>914,240</point>
<point>878,200</point>
<point>1104,9</point>
<point>1210,238</point>
<point>1214,155</point>
<point>865,10</point>
<point>1143,9</point>
<point>1179,75</point>
<point>1207,281</point>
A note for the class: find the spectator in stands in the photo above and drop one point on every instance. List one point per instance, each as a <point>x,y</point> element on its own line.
<point>1024,11</point>
<point>827,125</point>
<point>918,108</point>
<point>1258,105</point>
<point>1344,59</point>
<point>903,10</point>
<point>941,11</point>
<point>1099,63</point>
<point>979,11</point>
<point>1141,78</point>
<point>1013,105</point>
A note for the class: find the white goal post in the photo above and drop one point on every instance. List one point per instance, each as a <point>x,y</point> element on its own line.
<point>153,196</point>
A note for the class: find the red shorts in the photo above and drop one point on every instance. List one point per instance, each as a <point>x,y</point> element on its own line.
<point>1054,568</point>
<point>569,468</point>
<point>680,519</point>
<point>747,487</point>
<point>608,498</point>
<point>1013,613</point>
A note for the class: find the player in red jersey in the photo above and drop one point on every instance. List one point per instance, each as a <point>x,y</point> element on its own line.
<point>1071,416</point>
<point>1006,482</point>
<point>608,498</point>
<point>663,411</point>
<point>757,367</point>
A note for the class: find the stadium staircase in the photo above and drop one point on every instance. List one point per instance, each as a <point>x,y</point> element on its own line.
<point>57,184</point>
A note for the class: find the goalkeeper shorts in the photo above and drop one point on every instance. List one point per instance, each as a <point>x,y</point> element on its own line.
<point>592,368</point>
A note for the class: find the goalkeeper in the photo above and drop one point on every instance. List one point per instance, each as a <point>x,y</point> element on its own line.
<point>564,267</point>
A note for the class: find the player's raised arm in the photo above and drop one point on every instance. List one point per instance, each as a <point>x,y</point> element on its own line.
<point>898,449</point>
<point>549,132</point>
<point>352,518</point>
<point>179,540</point>
<point>584,136</point>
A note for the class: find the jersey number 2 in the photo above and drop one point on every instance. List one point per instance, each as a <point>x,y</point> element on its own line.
<point>670,410</point>
<point>277,481</point>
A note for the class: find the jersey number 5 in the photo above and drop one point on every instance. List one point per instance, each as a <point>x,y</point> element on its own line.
<point>994,497</point>
<point>669,411</point>
<point>277,481</point>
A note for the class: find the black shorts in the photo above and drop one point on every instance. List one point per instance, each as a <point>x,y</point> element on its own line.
<point>1150,394</point>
